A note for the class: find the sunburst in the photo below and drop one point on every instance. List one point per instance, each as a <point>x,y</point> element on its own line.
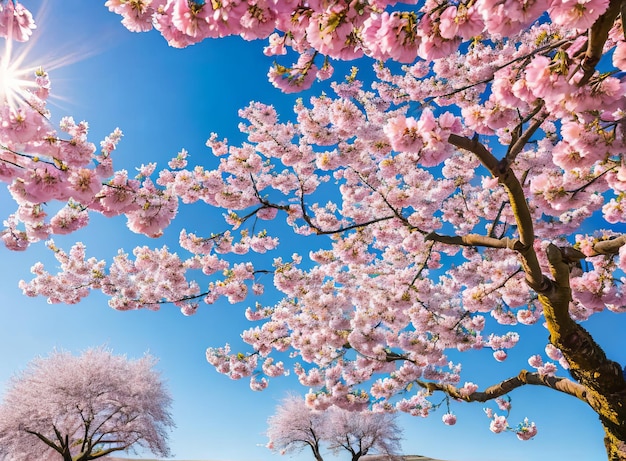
<point>16,80</point>
<point>18,76</point>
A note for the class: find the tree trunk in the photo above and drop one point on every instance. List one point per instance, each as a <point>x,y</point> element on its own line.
<point>603,378</point>
<point>316,452</point>
<point>615,445</point>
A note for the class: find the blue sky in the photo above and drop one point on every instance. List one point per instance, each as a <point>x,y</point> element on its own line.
<point>165,99</point>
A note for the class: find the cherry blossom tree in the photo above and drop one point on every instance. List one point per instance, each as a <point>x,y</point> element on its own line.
<point>296,426</point>
<point>478,179</point>
<point>79,408</point>
<point>362,433</point>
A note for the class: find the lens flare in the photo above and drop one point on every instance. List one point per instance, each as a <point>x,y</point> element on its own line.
<point>15,79</point>
<point>19,81</point>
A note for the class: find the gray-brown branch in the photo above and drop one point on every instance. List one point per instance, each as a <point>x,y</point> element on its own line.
<point>560,384</point>
<point>517,199</point>
<point>598,35</point>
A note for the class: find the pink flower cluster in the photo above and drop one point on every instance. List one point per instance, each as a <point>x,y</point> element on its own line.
<point>449,419</point>
<point>16,22</point>
<point>424,254</point>
<point>40,167</point>
<point>525,430</point>
<point>347,30</point>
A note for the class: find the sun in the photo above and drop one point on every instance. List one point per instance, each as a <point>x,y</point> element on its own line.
<point>19,78</point>
<point>10,83</point>
<point>15,80</point>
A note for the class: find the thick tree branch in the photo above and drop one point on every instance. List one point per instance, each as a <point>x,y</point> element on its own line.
<point>601,378</point>
<point>588,363</point>
<point>598,34</point>
<point>520,143</point>
<point>523,218</point>
<point>105,452</point>
<point>45,440</point>
<point>475,240</point>
<point>609,247</point>
<point>587,360</point>
<point>560,384</point>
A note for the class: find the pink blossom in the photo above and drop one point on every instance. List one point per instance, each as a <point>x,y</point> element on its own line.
<point>16,22</point>
<point>84,184</point>
<point>526,430</point>
<point>498,424</point>
<point>180,161</point>
<point>535,361</point>
<point>500,355</point>
<point>21,124</point>
<point>137,16</point>
<point>333,33</point>
<point>504,404</point>
<point>463,21</point>
<point>258,20</point>
<point>69,219</point>
<point>579,14</point>
<point>258,384</point>
<point>468,389</point>
<point>293,79</point>
<point>548,369</point>
<point>619,55</point>
<point>392,36</point>
<point>403,134</point>
<point>192,19</point>
<point>267,213</point>
<point>449,419</point>
<point>325,72</point>
<point>276,45</point>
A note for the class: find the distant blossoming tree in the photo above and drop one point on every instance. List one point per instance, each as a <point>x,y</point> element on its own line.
<point>480,178</point>
<point>296,426</point>
<point>80,408</point>
<point>362,433</point>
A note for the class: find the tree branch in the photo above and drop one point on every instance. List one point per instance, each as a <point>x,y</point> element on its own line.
<point>598,34</point>
<point>588,362</point>
<point>105,452</point>
<point>560,384</point>
<point>475,240</point>
<point>45,440</point>
<point>609,247</point>
<point>519,144</point>
<point>523,218</point>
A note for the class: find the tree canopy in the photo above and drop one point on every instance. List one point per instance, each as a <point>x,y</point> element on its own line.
<point>80,408</point>
<point>478,178</point>
<point>296,426</point>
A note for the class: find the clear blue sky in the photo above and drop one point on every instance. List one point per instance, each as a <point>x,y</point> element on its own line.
<point>165,99</point>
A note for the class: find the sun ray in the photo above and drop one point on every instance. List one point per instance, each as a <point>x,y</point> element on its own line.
<point>15,80</point>
<point>18,76</point>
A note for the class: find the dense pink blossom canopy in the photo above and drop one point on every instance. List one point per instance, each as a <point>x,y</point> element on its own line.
<point>84,407</point>
<point>462,187</point>
<point>296,427</point>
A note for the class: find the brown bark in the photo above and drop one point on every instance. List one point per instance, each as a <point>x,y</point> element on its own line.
<point>600,382</point>
<point>315,448</point>
<point>603,378</point>
<point>498,390</point>
<point>598,35</point>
